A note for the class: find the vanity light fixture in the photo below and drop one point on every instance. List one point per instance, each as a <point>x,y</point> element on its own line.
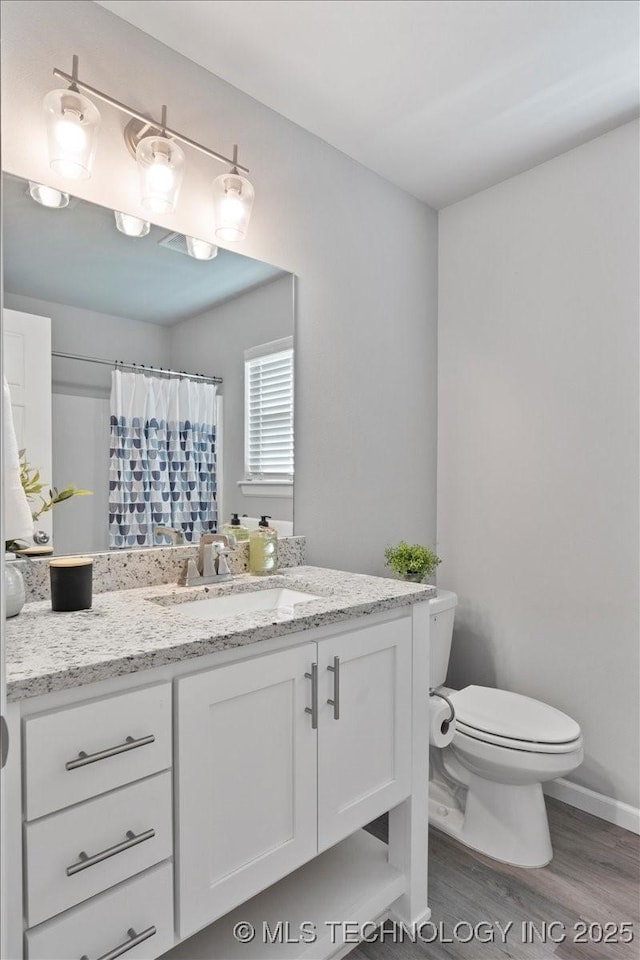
<point>131,226</point>
<point>72,128</point>
<point>48,196</point>
<point>201,249</point>
<point>161,165</point>
<point>233,200</point>
<point>72,124</point>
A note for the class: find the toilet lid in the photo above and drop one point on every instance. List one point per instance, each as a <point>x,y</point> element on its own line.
<point>513,716</point>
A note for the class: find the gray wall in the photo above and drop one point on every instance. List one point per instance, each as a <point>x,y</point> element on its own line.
<point>538,443</point>
<point>81,432</point>
<point>216,341</point>
<point>365,254</point>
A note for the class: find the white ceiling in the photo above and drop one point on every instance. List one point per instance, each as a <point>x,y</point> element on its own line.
<point>441,97</point>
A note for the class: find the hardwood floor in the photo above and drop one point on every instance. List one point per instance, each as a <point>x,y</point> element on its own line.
<point>594,878</point>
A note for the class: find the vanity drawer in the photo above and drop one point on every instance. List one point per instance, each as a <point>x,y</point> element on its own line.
<point>121,739</point>
<point>121,834</point>
<point>140,906</point>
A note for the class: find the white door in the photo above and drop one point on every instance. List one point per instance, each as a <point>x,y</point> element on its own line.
<point>26,342</point>
<point>246,768</point>
<point>364,735</point>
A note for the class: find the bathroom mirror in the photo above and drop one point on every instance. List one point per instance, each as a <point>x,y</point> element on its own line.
<point>75,285</point>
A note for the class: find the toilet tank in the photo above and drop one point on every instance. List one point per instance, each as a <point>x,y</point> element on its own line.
<point>442,610</point>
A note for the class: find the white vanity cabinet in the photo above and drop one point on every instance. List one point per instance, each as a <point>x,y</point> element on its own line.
<point>98,818</point>
<point>364,735</point>
<point>150,812</point>
<point>282,756</point>
<point>133,920</point>
<point>82,751</point>
<point>246,778</point>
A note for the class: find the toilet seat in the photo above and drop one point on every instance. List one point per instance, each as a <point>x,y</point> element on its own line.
<point>523,746</point>
<point>513,721</point>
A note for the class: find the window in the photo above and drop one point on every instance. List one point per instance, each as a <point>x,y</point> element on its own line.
<point>268,376</point>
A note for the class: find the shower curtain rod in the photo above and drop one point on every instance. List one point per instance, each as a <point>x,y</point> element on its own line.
<point>138,367</point>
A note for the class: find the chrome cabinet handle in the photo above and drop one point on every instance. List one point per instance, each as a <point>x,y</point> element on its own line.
<point>129,744</point>
<point>133,941</point>
<point>335,703</point>
<point>84,860</point>
<point>313,709</point>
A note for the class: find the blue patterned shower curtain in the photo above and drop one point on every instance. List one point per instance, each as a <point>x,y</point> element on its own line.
<point>163,458</point>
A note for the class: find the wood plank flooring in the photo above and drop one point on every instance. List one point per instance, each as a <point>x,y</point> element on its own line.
<point>594,878</point>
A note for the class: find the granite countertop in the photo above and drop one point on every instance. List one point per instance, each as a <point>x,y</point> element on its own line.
<point>131,630</point>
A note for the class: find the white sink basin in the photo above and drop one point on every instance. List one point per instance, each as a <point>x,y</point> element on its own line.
<point>281,602</point>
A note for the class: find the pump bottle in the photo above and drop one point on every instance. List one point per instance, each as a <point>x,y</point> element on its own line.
<point>263,549</point>
<point>235,529</point>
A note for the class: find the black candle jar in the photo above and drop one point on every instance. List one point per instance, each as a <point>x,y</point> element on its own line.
<point>71,583</point>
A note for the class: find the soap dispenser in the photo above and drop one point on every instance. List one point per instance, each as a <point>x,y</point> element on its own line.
<point>235,529</point>
<point>263,549</point>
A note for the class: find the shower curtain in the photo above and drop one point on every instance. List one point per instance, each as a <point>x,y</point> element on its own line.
<point>162,458</point>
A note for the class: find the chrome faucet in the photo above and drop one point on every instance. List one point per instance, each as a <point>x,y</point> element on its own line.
<point>211,565</point>
<point>177,536</point>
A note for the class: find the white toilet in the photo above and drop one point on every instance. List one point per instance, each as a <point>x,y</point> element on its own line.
<point>485,788</point>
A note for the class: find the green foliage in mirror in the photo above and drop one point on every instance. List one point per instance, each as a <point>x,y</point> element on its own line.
<point>33,485</point>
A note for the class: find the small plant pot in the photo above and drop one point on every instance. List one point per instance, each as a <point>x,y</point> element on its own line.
<point>413,577</point>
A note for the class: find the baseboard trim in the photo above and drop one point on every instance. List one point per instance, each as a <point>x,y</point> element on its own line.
<point>614,811</point>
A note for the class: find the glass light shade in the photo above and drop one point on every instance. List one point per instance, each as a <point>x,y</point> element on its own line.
<point>131,226</point>
<point>233,199</point>
<point>161,166</point>
<point>48,196</point>
<point>201,249</point>
<point>72,131</point>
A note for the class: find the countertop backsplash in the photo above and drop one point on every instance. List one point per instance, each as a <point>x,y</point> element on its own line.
<point>129,569</point>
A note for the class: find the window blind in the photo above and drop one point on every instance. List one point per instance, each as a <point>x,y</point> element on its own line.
<point>269,414</point>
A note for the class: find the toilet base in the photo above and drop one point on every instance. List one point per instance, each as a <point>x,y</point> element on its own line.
<point>507,822</point>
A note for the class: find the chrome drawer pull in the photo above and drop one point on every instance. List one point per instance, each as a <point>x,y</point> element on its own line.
<point>130,744</point>
<point>84,860</point>
<point>313,709</point>
<point>133,941</point>
<point>335,703</point>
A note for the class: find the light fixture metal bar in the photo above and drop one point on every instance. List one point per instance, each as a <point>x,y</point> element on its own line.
<point>81,85</point>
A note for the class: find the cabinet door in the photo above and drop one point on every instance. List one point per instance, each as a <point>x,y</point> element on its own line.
<point>247,800</point>
<point>364,756</point>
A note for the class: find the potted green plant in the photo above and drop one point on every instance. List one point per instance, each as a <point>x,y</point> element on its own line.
<point>411,561</point>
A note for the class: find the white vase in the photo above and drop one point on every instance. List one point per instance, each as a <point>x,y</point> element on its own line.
<point>13,586</point>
